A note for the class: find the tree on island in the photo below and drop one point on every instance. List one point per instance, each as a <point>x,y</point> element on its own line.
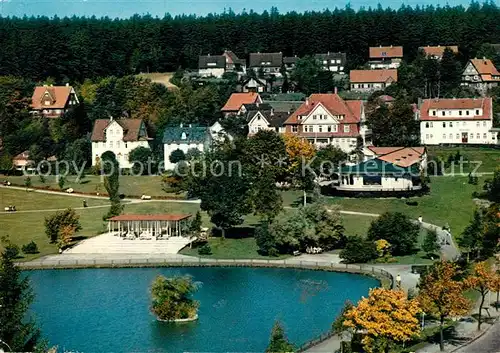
<point>17,328</point>
<point>278,342</point>
<point>171,298</point>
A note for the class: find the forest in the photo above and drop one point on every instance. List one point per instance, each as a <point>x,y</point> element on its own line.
<point>75,49</point>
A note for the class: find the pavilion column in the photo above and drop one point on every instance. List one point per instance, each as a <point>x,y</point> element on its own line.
<point>109,227</point>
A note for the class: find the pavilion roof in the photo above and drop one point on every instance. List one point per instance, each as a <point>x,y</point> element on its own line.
<point>150,217</point>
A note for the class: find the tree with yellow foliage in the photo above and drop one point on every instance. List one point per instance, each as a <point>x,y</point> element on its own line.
<point>66,234</point>
<point>300,155</point>
<point>482,280</point>
<point>496,288</point>
<point>442,294</point>
<point>384,318</point>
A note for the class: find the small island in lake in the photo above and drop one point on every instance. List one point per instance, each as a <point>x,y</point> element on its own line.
<point>171,299</point>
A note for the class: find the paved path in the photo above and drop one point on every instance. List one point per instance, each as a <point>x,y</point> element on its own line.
<point>489,343</point>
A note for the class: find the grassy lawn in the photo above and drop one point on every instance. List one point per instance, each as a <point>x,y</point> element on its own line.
<point>29,200</point>
<point>489,157</point>
<point>450,201</point>
<point>419,258</point>
<point>129,185</point>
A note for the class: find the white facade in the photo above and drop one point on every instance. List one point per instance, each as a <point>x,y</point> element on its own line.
<point>208,72</point>
<point>389,64</point>
<point>184,147</point>
<point>258,122</point>
<point>114,143</point>
<point>368,87</point>
<point>387,183</point>
<point>456,131</point>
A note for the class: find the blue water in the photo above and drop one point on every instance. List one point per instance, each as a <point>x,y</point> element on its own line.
<point>127,8</point>
<point>107,310</point>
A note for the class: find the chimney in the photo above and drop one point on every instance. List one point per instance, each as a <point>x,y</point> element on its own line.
<point>272,111</point>
<point>307,101</point>
<point>180,125</point>
<point>67,84</point>
<point>110,118</point>
<point>335,90</point>
<point>257,104</point>
<point>190,126</point>
<point>391,45</point>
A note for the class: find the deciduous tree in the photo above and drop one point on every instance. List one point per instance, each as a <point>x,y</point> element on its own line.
<point>442,294</point>
<point>397,229</point>
<point>482,280</point>
<point>385,317</point>
<point>55,223</point>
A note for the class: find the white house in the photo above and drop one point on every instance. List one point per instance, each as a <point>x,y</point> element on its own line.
<point>326,119</point>
<point>335,62</point>
<point>119,136</point>
<point>389,169</point>
<point>456,121</point>
<point>211,65</point>
<point>372,80</point>
<point>184,138</point>
<point>266,119</point>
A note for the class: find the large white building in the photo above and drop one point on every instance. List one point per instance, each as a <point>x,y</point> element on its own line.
<point>119,136</point>
<point>456,121</point>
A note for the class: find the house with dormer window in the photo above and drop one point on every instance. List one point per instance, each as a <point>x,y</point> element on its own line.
<point>480,74</point>
<point>119,136</point>
<point>385,57</point>
<point>268,63</point>
<point>457,121</point>
<point>327,119</point>
<point>53,101</point>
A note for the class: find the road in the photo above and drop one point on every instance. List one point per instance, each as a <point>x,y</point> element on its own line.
<point>489,343</point>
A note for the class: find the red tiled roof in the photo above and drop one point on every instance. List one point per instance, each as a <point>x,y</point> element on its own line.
<point>23,156</point>
<point>131,129</point>
<point>333,103</point>
<point>438,50</point>
<point>386,52</point>
<point>150,217</point>
<point>371,76</point>
<point>485,67</point>
<point>403,156</point>
<point>453,104</point>
<point>58,94</point>
<point>236,100</point>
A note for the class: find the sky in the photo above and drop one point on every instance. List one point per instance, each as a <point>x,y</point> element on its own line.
<point>126,8</point>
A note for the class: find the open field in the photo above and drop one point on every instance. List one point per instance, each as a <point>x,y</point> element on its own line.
<point>129,185</point>
<point>25,227</point>
<point>489,157</point>
<point>160,77</point>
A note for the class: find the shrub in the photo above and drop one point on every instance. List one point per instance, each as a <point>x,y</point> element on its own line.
<point>398,230</point>
<point>205,250</point>
<point>30,248</point>
<point>12,251</point>
<point>359,250</point>
<point>55,222</point>
<point>265,240</point>
<point>412,203</point>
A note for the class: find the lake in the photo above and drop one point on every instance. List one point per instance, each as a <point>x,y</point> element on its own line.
<point>107,310</point>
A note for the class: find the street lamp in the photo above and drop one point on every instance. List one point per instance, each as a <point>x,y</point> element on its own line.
<point>423,320</point>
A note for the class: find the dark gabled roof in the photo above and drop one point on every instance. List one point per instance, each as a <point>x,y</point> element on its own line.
<point>290,59</point>
<point>379,167</point>
<point>131,127</point>
<point>185,134</point>
<point>332,56</point>
<point>254,82</point>
<point>232,57</point>
<point>212,62</point>
<point>275,119</point>
<point>257,106</point>
<point>266,59</point>
<point>285,106</point>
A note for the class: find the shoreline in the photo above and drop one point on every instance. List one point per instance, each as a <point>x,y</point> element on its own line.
<point>384,278</point>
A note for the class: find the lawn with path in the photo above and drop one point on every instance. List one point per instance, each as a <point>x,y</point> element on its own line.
<point>489,157</point>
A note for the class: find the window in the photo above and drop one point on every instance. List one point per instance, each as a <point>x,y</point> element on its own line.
<point>126,145</point>
<point>471,135</point>
<point>463,124</point>
<point>466,112</point>
<point>459,112</point>
<point>306,128</point>
<point>320,128</point>
<point>458,136</point>
<point>294,128</point>
<point>329,129</point>
<point>478,135</point>
<point>183,136</point>
<point>117,144</point>
<point>484,123</point>
<point>478,124</point>
<point>427,125</point>
<point>341,117</point>
<point>444,124</point>
<point>110,144</point>
<point>443,113</point>
<point>314,117</point>
<point>335,128</point>
<point>477,111</point>
<point>451,124</point>
<point>103,144</point>
<point>434,113</point>
<point>431,124</point>
<point>485,136</point>
<point>427,136</point>
<point>432,135</point>
<point>347,128</point>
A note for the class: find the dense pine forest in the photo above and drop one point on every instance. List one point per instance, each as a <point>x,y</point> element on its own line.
<point>73,49</point>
